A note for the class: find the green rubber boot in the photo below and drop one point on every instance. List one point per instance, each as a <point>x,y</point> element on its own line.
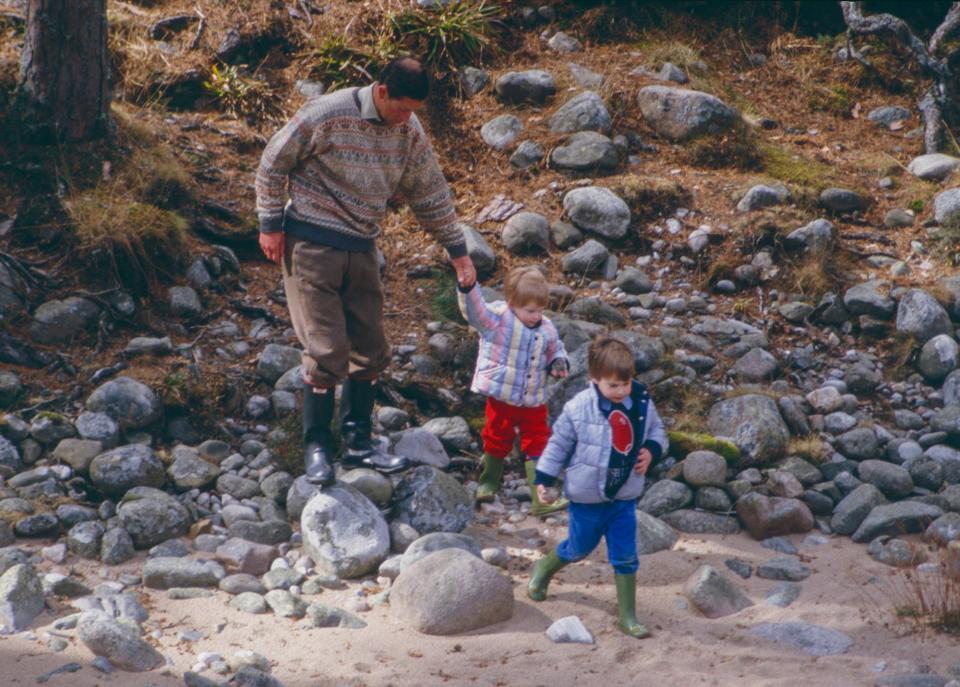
<point>537,508</point>
<point>489,480</point>
<point>543,571</point>
<point>627,603</point>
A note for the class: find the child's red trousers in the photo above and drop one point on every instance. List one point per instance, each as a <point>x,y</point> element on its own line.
<point>505,422</point>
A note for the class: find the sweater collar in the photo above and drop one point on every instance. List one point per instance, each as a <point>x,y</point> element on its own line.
<point>368,110</point>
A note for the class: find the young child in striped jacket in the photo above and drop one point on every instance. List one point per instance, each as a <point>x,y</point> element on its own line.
<point>519,348</point>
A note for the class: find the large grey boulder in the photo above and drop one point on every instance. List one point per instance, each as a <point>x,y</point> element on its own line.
<point>21,597</point>
<point>817,236</point>
<point>275,360</point>
<point>480,252</point>
<point>100,427</point>
<point>599,210</point>
<point>586,151</point>
<point>432,501</point>
<point>754,424</point>
<point>183,301</point>
<point>422,447</point>
<point>701,522</point>
<point>473,80</point>
<point>860,443</point>
<point>533,86</point>
<point>665,496</point>
<point>585,259</point>
<point>921,316</point>
<point>500,132</point>
<point>451,592</point>
<point>189,471</point>
<point>165,572</point>
<point>151,516</point>
<point>435,541</point>
<point>713,594</point>
<point>946,205</point>
<point>593,309</point>
<point>344,533</point>
<point>896,518</point>
<point>933,167</point>
<point>842,200</point>
<point>115,472</point>
<point>526,231</point>
<point>60,321</point>
<point>585,111</point>
<point>453,432</point>
<point>653,534</point>
<point>704,469</point>
<point>773,516</point>
<point>763,196</point>
<point>893,480</point>
<point>854,508</point>
<point>679,114</point>
<point>939,356</point>
<point>119,642</point>
<point>77,453</point>
<point>10,462</point>
<point>888,114</point>
<point>947,419</point>
<point>129,402</point>
<point>870,298</point>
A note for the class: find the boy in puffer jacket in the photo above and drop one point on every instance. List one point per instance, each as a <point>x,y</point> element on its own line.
<point>519,348</point>
<point>607,438</point>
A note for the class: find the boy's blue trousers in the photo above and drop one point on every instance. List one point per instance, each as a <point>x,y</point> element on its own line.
<point>616,521</point>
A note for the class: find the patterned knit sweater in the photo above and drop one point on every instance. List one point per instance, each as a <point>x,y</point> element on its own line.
<point>339,164</point>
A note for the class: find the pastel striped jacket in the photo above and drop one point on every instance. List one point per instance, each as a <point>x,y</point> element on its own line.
<point>514,360</point>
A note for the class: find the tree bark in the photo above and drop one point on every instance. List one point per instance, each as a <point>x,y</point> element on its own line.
<point>64,90</point>
<point>938,104</point>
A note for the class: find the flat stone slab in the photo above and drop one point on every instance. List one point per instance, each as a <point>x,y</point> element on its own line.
<point>810,639</point>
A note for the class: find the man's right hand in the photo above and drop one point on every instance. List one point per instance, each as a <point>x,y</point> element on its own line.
<point>272,246</point>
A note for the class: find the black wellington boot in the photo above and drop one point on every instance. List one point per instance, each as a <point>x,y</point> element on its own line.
<point>356,411</point>
<point>317,437</point>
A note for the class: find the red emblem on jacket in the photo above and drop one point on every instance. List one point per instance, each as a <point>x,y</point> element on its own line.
<point>622,431</point>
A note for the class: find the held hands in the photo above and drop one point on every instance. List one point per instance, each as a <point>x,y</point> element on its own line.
<point>272,246</point>
<point>643,461</point>
<point>466,272</point>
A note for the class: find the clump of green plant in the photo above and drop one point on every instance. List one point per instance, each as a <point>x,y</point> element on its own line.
<point>337,63</point>
<point>916,205</point>
<point>835,100</point>
<point>443,303</point>
<point>461,32</point>
<point>795,169</point>
<point>242,96</point>
<point>682,443</point>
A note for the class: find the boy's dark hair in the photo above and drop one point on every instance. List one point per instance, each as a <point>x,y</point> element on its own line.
<point>609,358</point>
<point>405,77</point>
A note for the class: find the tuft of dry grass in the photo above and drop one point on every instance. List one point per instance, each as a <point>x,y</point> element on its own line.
<point>687,409</point>
<point>738,148</point>
<point>649,197</point>
<point>811,448</point>
<point>679,53</point>
<point>929,600</point>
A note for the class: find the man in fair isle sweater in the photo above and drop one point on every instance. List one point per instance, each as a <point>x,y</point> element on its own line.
<point>322,190</point>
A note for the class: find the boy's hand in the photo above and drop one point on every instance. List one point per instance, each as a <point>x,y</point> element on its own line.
<point>643,461</point>
<point>559,368</point>
<point>545,494</point>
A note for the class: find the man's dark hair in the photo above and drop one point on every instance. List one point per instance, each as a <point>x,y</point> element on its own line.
<point>405,77</point>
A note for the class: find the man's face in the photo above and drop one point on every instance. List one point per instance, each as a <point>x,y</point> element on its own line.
<point>394,110</point>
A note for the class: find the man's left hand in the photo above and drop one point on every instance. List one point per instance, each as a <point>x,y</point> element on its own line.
<point>466,272</point>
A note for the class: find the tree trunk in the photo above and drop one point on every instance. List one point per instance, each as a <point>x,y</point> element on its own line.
<point>64,90</point>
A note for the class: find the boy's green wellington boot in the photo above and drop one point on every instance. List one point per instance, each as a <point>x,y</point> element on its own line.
<point>627,603</point>
<point>537,508</point>
<point>489,480</point>
<point>543,571</point>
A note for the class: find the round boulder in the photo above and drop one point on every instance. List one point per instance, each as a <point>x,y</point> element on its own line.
<point>129,402</point>
<point>598,210</point>
<point>116,471</point>
<point>451,592</point>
